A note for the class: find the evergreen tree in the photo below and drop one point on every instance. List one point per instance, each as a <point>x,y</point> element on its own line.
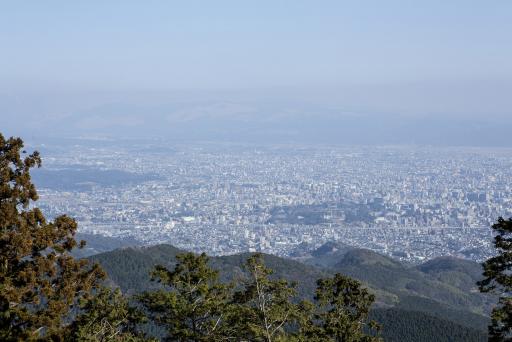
<point>342,313</point>
<point>264,308</point>
<point>192,306</point>
<point>498,279</point>
<point>40,282</point>
<point>107,317</point>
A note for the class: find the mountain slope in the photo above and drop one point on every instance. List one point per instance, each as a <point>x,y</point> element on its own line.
<point>404,325</point>
<point>129,267</point>
<point>405,289</point>
<point>327,255</point>
<point>460,273</point>
<point>416,290</point>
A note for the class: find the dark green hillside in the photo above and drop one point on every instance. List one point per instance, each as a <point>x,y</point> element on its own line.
<point>436,305</point>
<point>401,325</point>
<point>386,274</point>
<point>460,273</point>
<point>327,255</point>
<point>294,271</point>
<point>331,248</point>
<point>459,315</point>
<point>129,267</point>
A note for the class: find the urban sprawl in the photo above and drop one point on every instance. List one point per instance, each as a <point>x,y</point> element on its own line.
<point>413,203</point>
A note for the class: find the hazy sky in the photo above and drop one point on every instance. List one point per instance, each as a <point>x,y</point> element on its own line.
<point>445,58</point>
<point>231,44</point>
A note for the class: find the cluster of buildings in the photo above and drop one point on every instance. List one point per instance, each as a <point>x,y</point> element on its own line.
<point>413,203</point>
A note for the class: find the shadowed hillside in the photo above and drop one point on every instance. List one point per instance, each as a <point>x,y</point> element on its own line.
<point>405,295</point>
<point>402,325</point>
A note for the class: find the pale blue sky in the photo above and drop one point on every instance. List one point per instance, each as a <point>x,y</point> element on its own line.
<point>164,68</point>
<point>160,45</point>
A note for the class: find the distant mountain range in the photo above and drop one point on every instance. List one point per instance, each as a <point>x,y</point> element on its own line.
<point>262,121</point>
<point>434,301</point>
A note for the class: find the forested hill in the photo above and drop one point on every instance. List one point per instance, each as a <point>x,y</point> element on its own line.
<point>432,301</point>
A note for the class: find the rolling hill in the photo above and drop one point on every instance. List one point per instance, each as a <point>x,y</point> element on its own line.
<point>427,302</point>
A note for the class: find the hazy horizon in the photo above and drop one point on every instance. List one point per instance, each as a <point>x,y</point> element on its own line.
<point>330,72</point>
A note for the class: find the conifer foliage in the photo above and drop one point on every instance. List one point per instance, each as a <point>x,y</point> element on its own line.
<point>344,308</point>
<point>40,282</point>
<point>107,316</point>
<point>498,279</point>
<point>264,307</point>
<point>193,306</point>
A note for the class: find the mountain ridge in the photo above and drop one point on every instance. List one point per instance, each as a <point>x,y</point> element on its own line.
<point>408,290</point>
